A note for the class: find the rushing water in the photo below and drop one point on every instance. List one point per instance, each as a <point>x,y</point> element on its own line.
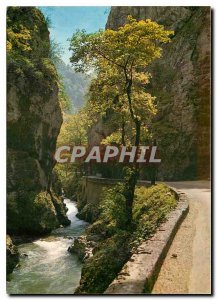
<point>46,267</point>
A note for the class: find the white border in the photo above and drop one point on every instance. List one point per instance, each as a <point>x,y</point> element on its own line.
<point>3,6</point>
<point>107,3</point>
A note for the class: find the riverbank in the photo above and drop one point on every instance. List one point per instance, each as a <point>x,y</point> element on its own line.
<point>114,241</point>
<point>46,267</point>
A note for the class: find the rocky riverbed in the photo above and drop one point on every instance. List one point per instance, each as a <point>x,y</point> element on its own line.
<point>46,267</point>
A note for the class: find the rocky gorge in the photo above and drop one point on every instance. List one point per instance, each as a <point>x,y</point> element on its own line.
<point>34,119</point>
<point>36,212</point>
<point>181,83</point>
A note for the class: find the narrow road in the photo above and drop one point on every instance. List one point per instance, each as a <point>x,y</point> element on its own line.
<point>187,266</point>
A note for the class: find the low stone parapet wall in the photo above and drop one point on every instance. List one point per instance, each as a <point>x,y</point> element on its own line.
<point>140,273</point>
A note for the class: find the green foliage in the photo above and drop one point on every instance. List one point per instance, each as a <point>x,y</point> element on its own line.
<point>48,68</point>
<point>55,51</point>
<point>134,44</point>
<point>20,40</point>
<point>73,133</point>
<point>151,205</point>
<point>69,179</point>
<point>41,217</point>
<point>12,256</point>
<point>113,138</point>
<point>102,268</point>
<point>48,22</point>
<point>28,50</point>
<point>27,32</point>
<point>32,81</point>
<point>113,207</point>
<point>65,103</point>
<point>71,185</point>
<point>74,129</point>
<point>119,58</point>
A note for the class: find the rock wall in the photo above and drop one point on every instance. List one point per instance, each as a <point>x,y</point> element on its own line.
<point>181,83</point>
<point>89,196</point>
<point>12,255</point>
<point>33,122</point>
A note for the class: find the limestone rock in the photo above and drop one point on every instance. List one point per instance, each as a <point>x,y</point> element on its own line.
<point>33,124</point>
<point>12,255</point>
<point>82,247</point>
<point>181,84</point>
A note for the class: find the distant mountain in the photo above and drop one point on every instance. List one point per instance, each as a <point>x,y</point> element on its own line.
<point>76,84</point>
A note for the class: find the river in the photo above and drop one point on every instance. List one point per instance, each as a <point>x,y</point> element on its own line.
<point>46,267</point>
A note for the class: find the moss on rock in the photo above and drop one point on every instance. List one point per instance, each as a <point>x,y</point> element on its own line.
<point>12,255</point>
<point>103,266</point>
<point>34,119</point>
<point>34,213</point>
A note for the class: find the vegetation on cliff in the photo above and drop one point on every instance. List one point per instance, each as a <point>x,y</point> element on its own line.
<point>33,124</point>
<point>181,83</point>
<point>28,48</point>
<point>12,255</point>
<point>73,133</point>
<point>116,240</point>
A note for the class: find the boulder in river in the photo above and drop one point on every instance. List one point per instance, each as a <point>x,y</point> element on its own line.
<point>82,247</point>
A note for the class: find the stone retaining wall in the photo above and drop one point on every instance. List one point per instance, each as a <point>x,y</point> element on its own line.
<point>92,187</point>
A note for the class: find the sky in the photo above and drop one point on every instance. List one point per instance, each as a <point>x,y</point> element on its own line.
<point>65,21</point>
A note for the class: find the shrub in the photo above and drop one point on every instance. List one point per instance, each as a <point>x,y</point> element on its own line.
<point>151,205</point>
<point>113,207</point>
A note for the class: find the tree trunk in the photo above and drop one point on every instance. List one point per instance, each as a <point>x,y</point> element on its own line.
<point>132,172</point>
<point>130,180</point>
<point>123,133</point>
<point>153,168</point>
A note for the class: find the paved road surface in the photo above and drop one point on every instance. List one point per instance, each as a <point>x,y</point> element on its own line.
<point>187,267</point>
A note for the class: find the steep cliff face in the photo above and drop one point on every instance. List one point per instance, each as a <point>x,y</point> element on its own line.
<point>33,122</point>
<point>181,83</point>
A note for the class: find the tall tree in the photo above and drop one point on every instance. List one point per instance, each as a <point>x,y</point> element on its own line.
<point>120,59</point>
